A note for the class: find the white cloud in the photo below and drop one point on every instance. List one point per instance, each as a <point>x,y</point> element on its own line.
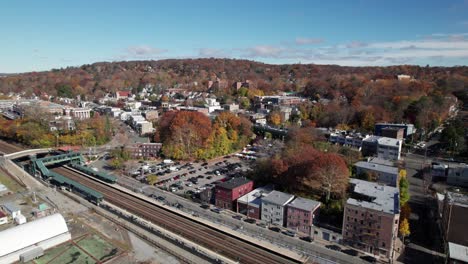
<point>143,51</point>
<point>209,52</point>
<point>309,41</point>
<point>262,51</point>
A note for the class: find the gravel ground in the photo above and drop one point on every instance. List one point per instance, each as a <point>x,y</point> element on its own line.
<point>143,252</point>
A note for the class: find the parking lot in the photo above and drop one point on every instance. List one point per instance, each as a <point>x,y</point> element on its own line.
<point>195,177</point>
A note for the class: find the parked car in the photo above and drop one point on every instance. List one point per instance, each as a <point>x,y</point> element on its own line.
<point>306,238</point>
<point>205,206</point>
<point>333,247</point>
<point>238,217</point>
<point>216,210</point>
<point>262,225</point>
<point>275,228</point>
<point>250,220</point>
<point>369,259</point>
<point>289,233</point>
<point>350,252</point>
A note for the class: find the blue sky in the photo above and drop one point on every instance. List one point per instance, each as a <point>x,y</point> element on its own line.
<point>40,35</point>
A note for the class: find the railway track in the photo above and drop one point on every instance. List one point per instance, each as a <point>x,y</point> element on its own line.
<point>222,243</point>
<point>7,148</point>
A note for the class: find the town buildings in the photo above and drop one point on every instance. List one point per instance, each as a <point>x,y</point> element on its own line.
<point>274,207</point>
<point>382,147</point>
<point>408,129</point>
<point>393,132</point>
<point>251,203</point>
<point>383,173</point>
<point>457,174</point>
<point>301,213</point>
<point>454,218</point>
<point>228,192</point>
<point>144,150</point>
<point>371,217</point>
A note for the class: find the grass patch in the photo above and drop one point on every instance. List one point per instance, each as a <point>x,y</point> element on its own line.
<point>73,255</point>
<point>98,247</point>
<point>51,253</point>
<point>11,184</point>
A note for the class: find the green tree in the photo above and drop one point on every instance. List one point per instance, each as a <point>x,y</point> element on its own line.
<point>152,179</point>
<point>404,190</point>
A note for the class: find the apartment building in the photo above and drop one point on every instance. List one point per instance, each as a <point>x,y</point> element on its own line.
<point>371,216</point>
<point>228,192</point>
<point>301,214</point>
<point>251,203</point>
<point>383,174</point>
<point>273,207</point>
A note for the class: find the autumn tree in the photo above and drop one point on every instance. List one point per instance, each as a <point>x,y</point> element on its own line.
<point>404,228</point>
<point>274,118</point>
<point>184,134</point>
<point>330,174</point>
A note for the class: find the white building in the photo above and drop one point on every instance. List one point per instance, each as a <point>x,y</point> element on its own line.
<point>3,218</point>
<point>389,148</point>
<point>28,241</point>
<point>212,105</point>
<point>80,113</point>
<point>11,209</point>
<point>273,207</point>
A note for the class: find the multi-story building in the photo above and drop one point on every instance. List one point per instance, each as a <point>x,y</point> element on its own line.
<point>408,128</point>
<point>144,127</point>
<point>79,113</point>
<point>349,140</point>
<point>393,132</point>
<point>251,203</point>
<point>383,173</point>
<point>389,148</point>
<point>301,213</point>
<point>371,216</point>
<point>228,192</point>
<point>454,218</point>
<point>273,207</point>
<point>382,147</point>
<point>144,150</point>
<point>457,175</point>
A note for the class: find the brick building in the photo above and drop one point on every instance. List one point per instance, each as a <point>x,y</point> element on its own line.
<point>371,216</point>
<point>144,150</point>
<point>228,192</point>
<point>251,203</point>
<point>301,214</point>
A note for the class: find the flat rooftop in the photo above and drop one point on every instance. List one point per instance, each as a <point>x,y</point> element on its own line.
<point>376,167</point>
<point>304,204</point>
<point>383,198</point>
<point>254,198</point>
<point>279,198</point>
<point>389,141</point>
<point>458,252</point>
<point>234,183</point>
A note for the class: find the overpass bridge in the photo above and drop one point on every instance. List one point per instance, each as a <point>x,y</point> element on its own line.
<point>26,153</point>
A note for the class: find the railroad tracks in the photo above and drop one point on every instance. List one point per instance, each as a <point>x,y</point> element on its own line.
<point>219,242</point>
<point>7,148</point>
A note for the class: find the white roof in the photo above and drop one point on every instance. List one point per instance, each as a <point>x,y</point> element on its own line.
<point>19,237</point>
<point>458,252</point>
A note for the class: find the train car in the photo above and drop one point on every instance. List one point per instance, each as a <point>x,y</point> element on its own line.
<point>97,174</point>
